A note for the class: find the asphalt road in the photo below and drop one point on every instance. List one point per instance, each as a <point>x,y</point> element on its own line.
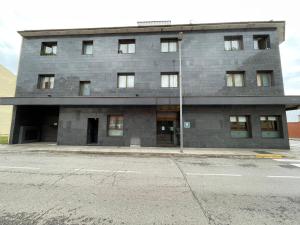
<point>57,189</point>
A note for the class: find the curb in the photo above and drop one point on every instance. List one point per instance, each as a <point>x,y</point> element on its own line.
<point>146,154</point>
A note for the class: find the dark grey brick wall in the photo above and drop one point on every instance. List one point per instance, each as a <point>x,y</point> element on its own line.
<point>204,65</point>
<point>210,126</point>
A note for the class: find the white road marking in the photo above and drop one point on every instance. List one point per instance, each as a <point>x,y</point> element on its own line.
<point>287,160</point>
<point>19,167</point>
<point>298,165</point>
<point>291,177</point>
<point>107,171</point>
<point>214,174</point>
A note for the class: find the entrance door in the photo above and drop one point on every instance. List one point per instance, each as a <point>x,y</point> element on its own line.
<point>165,133</point>
<point>92,131</point>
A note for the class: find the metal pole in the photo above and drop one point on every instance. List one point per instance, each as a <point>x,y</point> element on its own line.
<point>180,92</point>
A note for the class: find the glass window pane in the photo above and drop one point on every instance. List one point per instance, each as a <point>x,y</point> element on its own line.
<point>164,81</point>
<point>130,81</point>
<point>227,45</point>
<point>229,80</point>
<point>259,83</point>
<point>265,80</point>
<point>238,80</point>
<point>233,119</point>
<point>131,48</point>
<point>48,50</point>
<point>88,49</point>
<point>173,80</point>
<point>164,47</point>
<point>235,44</point>
<point>242,119</point>
<point>172,46</point>
<point>123,48</point>
<point>54,49</point>
<point>255,44</point>
<point>263,118</point>
<point>51,82</point>
<point>122,81</point>
<point>272,118</point>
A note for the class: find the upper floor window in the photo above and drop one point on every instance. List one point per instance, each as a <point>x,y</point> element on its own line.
<point>126,80</point>
<point>270,126</point>
<point>240,126</point>
<point>84,88</point>
<point>115,125</point>
<point>235,79</point>
<point>264,78</point>
<point>169,80</point>
<point>49,48</point>
<point>87,47</point>
<point>126,46</point>
<point>46,81</point>
<point>232,43</point>
<point>261,41</point>
<point>168,44</point>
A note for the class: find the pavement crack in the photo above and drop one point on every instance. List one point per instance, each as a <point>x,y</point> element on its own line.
<point>65,176</point>
<point>208,216</point>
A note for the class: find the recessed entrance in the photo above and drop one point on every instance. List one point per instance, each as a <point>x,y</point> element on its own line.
<point>92,130</point>
<point>167,129</point>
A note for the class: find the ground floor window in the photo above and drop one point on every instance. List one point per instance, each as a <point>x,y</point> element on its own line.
<point>240,127</point>
<point>270,126</point>
<point>115,125</point>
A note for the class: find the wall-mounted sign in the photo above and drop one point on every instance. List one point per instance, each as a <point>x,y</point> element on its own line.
<point>187,124</point>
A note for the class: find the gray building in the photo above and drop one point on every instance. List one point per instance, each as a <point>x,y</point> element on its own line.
<point>119,86</point>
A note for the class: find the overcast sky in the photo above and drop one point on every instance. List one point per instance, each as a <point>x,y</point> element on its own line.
<point>38,14</point>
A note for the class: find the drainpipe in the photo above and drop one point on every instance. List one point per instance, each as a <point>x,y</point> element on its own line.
<point>180,37</point>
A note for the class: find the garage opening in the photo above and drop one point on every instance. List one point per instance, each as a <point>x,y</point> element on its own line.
<point>35,124</point>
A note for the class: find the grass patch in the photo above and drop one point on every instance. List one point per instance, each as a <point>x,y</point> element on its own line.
<point>3,139</point>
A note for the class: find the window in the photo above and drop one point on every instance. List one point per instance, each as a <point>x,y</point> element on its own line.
<point>239,127</point>
<point>49,48</point>
<point>264,78</point>
<point>115,125</point>
<point>270,126</point>
<point>169,80</point>
<point>168,44</point>
<point>126,46</point>
<point>46,81</point>
<point>261,42</point>
<point>235,79</point>
<point>87,47</point>
<point>84,88</point>
<point>232,43</point>
<point>126,80</point>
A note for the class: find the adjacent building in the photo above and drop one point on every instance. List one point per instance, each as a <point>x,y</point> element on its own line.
<point>7,89</point>
<point>119,86</point>
<point>294,128</point>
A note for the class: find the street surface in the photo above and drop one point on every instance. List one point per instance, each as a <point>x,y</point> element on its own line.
<point>59,189</point>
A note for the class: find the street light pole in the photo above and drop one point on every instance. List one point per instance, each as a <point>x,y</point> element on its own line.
<point>180,37</point>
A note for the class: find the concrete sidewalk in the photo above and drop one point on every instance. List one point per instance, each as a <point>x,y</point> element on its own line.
<point>149,151</point>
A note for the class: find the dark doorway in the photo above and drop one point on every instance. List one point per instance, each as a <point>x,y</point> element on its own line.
<point>92,131</point>
<point>166,133</point>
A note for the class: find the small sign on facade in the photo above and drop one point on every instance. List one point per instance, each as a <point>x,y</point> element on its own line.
<point>187,124</point>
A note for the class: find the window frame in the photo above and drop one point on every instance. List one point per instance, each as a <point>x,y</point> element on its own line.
<point>278,131</point>
<point>80,87</point>
<point>259,73</point>
<point>125,75</point>
<point>44,46</point>
<point>41,78</point>
<point>232,38</point>
<point>248,127</point>
<point>267,39</point>
<point>109,129</point>
<point>86,43</point>
<point>168,41</point>
<point>233,74</point>
<point>169,74</point>
<point>126,42</point>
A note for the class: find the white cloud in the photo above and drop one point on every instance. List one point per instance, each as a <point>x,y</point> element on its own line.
<point>40,14</point>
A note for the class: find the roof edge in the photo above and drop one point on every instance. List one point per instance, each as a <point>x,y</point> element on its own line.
<point>279,25</point>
